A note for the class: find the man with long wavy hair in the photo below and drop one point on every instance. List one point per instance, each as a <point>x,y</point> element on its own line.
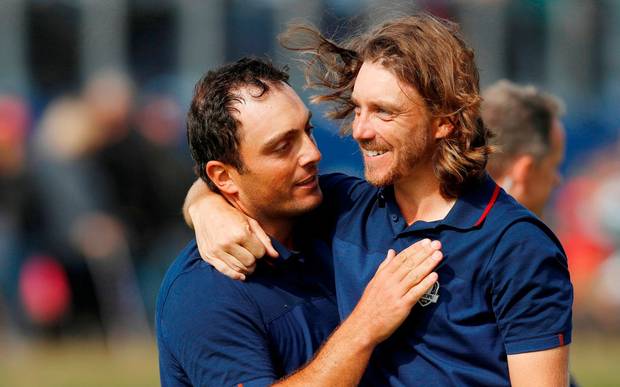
<point>408,92</point>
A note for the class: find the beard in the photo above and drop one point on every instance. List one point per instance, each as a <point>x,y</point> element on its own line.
<point>407,156</point>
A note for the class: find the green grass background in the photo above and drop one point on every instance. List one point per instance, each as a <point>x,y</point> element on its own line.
<point>595,361</point>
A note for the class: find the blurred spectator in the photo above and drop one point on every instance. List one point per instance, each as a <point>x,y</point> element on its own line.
<point>530,145</point>
<point>80,227</point>
<point>530,139</point>
<point>530,142</point>
<point>588,224</point>
<point>18,210</point>
<point>160,123</point>
<point>138,157</point>
<point>143,171</point>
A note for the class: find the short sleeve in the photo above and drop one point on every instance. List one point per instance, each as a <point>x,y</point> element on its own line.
<point>215,332</point>
<point>531,291</point>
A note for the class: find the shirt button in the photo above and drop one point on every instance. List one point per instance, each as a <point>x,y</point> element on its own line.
<point>395,218</point>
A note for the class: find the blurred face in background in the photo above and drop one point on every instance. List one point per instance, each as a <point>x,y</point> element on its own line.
<point>544,175</point>
<point>109,96</point>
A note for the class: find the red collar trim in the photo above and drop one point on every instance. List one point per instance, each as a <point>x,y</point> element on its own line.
<point>488,207</point>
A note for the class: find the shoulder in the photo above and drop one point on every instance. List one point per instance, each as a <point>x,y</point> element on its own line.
<point>208,326</point>
<point>194,294</point>
<point>343,193</point>
<point>516,225</point>
<point>345,185</point>
<point>529,282</point>
<point>522,244</point>
<point>525,251</point>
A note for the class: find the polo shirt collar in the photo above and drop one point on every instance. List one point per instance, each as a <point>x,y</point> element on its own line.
<point>284,254</point>
<point>469,211</point>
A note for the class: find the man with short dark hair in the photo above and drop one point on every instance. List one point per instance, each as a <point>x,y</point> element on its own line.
<point>530,139</point>
<point>502,315</point>
<point>251,138</point>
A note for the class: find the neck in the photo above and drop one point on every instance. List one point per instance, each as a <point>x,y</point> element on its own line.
<point>280,228</point>
<point>419,198</point>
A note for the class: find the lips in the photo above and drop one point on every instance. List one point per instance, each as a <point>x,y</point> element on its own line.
<point>309,180</point>
<point>373,153</point>
<point>374,148</point>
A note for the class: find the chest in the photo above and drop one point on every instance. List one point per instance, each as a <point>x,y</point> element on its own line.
<point>458,324</point>
<point>359,248</point>
<point>299,312</point>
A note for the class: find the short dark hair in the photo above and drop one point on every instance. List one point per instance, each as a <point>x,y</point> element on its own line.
<point>211,126</point>
<point>521,118</point>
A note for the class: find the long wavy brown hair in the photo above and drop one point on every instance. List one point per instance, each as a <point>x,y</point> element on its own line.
<point>422,51</point>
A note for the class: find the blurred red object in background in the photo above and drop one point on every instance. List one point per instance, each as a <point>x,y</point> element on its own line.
<point>44,290</point>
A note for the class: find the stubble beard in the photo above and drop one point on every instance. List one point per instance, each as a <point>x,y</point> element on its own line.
<point>411,154</point>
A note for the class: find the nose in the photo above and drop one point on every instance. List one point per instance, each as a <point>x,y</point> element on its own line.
<point>310,153</point>
<point>362,128</point>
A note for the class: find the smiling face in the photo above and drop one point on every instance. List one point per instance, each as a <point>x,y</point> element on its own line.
<point>280,157</point>
<point>392,126</point>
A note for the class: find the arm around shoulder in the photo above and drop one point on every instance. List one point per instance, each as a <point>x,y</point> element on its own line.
<point>226,237</point>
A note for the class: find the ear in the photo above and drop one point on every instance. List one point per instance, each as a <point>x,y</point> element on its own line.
<point>522,168</point>
<point>443,127</point>
<point>221,175</point>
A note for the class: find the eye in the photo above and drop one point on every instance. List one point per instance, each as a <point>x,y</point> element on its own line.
<point>282,147</point>
<point>384,114</point>
<point>381,110</point>
<point>310,132</point>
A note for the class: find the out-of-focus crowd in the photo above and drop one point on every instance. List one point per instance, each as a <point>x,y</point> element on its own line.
<point>586,218</point>
<point>91,188</point>
<point>90,200</point>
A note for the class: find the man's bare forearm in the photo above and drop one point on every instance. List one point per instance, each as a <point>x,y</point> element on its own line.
<point>548,368</point>
<point>340,362</point>
<point>197,191</point>
<point>388,298</point>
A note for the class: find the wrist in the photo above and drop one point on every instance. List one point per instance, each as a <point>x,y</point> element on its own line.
<point>363,334</point>
<point>191,211</point>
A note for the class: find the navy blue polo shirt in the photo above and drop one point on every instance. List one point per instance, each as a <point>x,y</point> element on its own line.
<point>214,331</point>
<point>504,286</point>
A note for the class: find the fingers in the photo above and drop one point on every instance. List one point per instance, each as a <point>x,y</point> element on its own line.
<point>390,255</point>
<point>263,238</point>
<point>233,263</point>
<point>226,270</point>
<point>417,274</point>
<point>414,255</point>
<point>416,292</point>
<point>226,263</point>
<point>240,256</point>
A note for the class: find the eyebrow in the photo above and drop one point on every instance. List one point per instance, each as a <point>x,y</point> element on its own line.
<point>279,137</point>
